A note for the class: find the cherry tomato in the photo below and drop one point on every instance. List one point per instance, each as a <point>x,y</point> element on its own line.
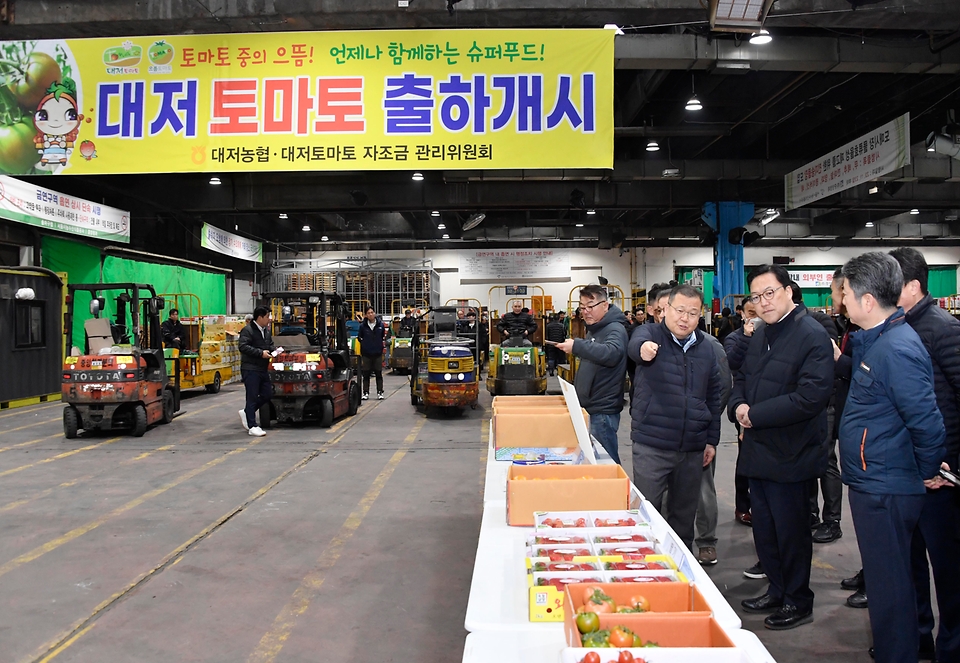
<point>18,153</point>
<point>591,657</point>
<point>626,657</point>
<point>39,73</point>
<point>620,638</point>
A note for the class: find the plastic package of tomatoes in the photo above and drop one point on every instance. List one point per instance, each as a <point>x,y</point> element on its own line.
<point>561,580</point>
<point>585,519</point>
<point>550,539</point>
<point>564,567</point>
<point>636,565</point>
<point>639,534</point>
<point>642,577</point>
<point>627,550</point>
<point>561,553</point>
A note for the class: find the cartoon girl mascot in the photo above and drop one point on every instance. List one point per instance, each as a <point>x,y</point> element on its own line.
<point>57,122</point>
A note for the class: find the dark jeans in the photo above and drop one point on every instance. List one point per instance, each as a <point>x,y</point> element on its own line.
<point>259,390</point>
<point>372,364</point>
<point>656,471</point>
<point>938,533</point>
<point>604,427</point>
<point>784,542</point>
<point>885,525</point>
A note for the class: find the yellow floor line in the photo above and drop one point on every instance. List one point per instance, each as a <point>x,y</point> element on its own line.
<point>52,655</point>
<point>77,532</point>
<point>19,411</point>
<point>65,454</point>
<point>27,444</point>
<point>273,641</point>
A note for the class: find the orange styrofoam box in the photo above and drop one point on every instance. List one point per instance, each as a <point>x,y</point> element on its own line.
<point>533,488</point>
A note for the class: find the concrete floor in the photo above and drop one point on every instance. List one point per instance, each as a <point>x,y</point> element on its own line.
<point>354,543</point>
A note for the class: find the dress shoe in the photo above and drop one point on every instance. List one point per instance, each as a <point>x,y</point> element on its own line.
<point>787,617</point>
<point>743,518</point>
<point>755,572</point>
<point>856,582</point>
<point>828,531</point>
<point>765,603</point>
<point>858,599</point>
<point>814,521</point>
<point>871,652</point>
<point>928,649</point>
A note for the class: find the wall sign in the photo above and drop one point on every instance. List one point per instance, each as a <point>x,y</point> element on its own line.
<point>324,100</point>
<point>808,278</point>
<point>516,265</point>
<point>868,157</point>
<point>27,203</point>
<point>229,244</point>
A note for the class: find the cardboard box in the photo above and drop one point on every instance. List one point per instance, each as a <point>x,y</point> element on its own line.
<point>679,639</point>
<point>535,431</point>
<point>563,488</point>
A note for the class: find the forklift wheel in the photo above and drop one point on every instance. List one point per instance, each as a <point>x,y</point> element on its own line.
<point>215,386</point>
<point>326,413</point>
<point>354,396</point>
<point>414,400</point>
<point>139,421</point>
<point>168,407</point>
<point>71,422</point>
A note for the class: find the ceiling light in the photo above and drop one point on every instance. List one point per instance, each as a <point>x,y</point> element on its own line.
<point>693,104</point>
<point>417,177</point>
<point>653,146</point>
<point>474,221</point>
<point>324,239</point>
<point>446,236</point>
<point>732,66</point>
<point>914,211</point>
<point>441,226</point>
<point>236,227</point>
<point>283,216</point>
<point>591,212</point>
<point>215,181</point>
<point>434,213</point>
<point>868,224</point>
<point>874,189</point>
<point>930,148</point>
<point>769,216</point>
<point>305,229</point>
<point>579,225</point>
<point>671,172</point>
<point>760,38</point>
<point>613,26</point>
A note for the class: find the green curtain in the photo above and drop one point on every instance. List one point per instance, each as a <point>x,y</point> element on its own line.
<point>942,281</point>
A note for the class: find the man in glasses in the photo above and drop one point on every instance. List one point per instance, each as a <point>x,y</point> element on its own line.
<point>780,397</point>
<point>603,365</point>
<point>676,409</point>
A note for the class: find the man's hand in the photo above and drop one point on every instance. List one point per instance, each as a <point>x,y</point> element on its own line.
<point>709,453</point>
<point>265,354</point>
<point>506,333</point>
<point>525,332</point>
<point>748,327</point>
<point>743,415</point>
<point>938,481</point>
<point>836,351</point>
<point>566,347</point>
<point>648,351</point>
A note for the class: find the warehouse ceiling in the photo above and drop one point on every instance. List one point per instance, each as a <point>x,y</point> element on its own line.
<point>834,70</point>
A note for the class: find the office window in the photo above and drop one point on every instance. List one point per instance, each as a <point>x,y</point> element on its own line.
<point>30,318</point>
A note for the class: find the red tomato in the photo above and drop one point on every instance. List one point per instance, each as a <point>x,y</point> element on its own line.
<point>640,602</point>
<point>18,153</point>
<point>591,657</point>
<point>626,657</point>
<point>39,73</point>
<point>620,638</point>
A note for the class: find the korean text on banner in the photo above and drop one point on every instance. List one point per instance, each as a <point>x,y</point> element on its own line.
<point>540,264</point>
<point>378,100</point>
<point>807,278</point>
<point>229,244</point>
<point>868,157</point>
<point>27,203</point>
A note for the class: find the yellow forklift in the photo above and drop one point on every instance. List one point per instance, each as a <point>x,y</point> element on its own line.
<point>204,367</point>
<point>517,369</point>
<point>400,343</point>
<point>444,372</point>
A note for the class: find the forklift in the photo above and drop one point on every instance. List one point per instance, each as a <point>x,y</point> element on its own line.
<point>118,379</point>
<point>444,373</point>
<point>517,369</point>
<point>315,378</point>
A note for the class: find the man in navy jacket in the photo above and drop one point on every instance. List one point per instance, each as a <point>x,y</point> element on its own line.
<point>371,336</point>
<point>891,447</point>
<point>675,409</point>
<point>779,398</point>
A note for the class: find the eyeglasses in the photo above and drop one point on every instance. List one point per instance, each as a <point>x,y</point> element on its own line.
<point>685,314</point>
<point>766,294</point>
<point>594,305</point>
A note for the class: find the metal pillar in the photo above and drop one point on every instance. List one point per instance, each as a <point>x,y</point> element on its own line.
<point>728,258</point>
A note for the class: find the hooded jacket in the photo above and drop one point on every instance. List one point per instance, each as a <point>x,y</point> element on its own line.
<point>602,371</point>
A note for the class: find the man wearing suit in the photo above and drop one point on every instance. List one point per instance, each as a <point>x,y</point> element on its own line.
<point>256,345</point>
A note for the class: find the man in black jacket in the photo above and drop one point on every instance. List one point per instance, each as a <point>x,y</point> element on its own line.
<point>938,530</point>
<point>517,326</point>
<point>779,398</point>
<point>554,333</point>
<point>256,345</point>
<point>172,331</point>
<point>675,409</point>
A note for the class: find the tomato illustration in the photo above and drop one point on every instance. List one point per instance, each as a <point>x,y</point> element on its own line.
<point>18,153</point>
<point>30,84</point>
<point>160,53</point>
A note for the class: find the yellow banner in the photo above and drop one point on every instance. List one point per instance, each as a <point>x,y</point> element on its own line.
<point>384,100</point>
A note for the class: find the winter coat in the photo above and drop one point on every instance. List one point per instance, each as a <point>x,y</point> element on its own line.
<point>787,384</point>
<point>602,371</point>
<point>891,434</point>
<point>554,332</point>
<point>252,344</point>
<point>371,340</point>
<point>517,323</point>
<point>676,396</point>
<point>940,333</point>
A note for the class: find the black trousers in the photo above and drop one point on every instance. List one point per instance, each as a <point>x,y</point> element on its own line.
<point>832,488</point>
<point>781,533</point>
<point>259,390</point>
<point>938,533</point>
<point>372,364</point>
<point>742,485</point>
<point>885,525</point>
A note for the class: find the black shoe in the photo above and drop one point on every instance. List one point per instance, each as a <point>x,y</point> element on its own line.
<point>870,651</point>
<point>928,649</point>
<point>814,521</point>
<point>787,617</point>
<point>765,603</point>
<point>755,572</point>
<point>856,582</point>
<point>858,599</point>
<point>828,531</point>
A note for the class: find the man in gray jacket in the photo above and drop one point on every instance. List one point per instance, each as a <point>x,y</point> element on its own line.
<point>603,365</point>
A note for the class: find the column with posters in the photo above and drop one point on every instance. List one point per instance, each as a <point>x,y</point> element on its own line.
<point>294,101</point>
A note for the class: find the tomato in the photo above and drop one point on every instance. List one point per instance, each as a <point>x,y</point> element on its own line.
<point>591,657</point>
<point>18,153</point>
<point>588,622</point>
<point>597,601</point>
<point>640,602</point>
<point>626,657</point>
<point>39,73</point>
<point>620,637</point>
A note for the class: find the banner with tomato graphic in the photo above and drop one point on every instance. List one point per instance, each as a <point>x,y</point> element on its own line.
<point>384,100</point>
